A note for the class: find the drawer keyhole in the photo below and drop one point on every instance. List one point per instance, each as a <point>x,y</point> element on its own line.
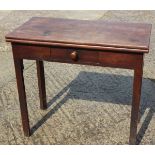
<point>74,56</point>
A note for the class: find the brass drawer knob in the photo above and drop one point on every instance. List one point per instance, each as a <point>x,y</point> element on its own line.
<point>74,56</point>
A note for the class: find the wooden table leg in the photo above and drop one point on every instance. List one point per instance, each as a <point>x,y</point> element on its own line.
<point>41,84</point>
<point>138,73</point>
<point>22,95</point>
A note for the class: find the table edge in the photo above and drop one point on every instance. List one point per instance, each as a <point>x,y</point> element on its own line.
<point>85,46</point>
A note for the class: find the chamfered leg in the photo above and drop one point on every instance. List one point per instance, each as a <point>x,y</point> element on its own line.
<point>22,95</point>
<point>41,84</point>
<point>138,74</point>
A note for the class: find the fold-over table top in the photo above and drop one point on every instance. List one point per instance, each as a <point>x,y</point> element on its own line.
<point>96,34</point>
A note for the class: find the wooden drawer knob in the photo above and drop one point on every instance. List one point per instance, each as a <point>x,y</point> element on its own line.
<point>74,56</point>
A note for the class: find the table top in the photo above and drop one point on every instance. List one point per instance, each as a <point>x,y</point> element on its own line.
<point>96,34</point>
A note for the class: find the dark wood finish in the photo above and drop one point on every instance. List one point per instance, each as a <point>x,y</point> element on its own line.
<point>31,52</point>
<point>138,74</point>
<point>78,56</point>
<point>121,60</point>
<point>93,34</point>
<point>22,95</point>
<point>97,43</point>
<point>41,84</point>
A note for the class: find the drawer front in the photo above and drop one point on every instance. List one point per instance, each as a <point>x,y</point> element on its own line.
<point>74,56</point>
<point>31,52</point>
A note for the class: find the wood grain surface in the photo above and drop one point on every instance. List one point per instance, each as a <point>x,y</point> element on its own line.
<point>83,33</point>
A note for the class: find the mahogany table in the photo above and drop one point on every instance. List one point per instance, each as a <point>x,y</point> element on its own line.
<point>98,43</point>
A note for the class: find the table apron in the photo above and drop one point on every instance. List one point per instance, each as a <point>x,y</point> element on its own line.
<point>117,59</point>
